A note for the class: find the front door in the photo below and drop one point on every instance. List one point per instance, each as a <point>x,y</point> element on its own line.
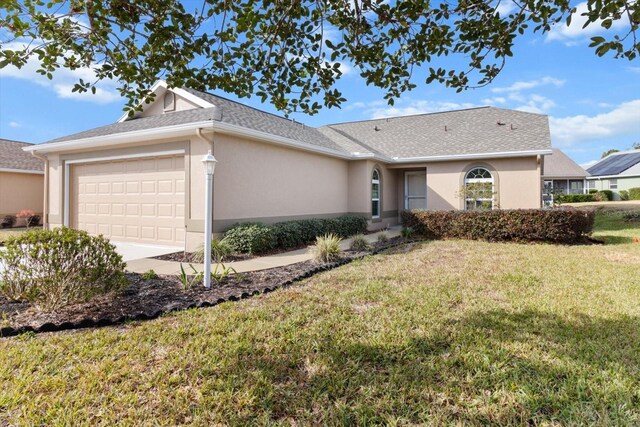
<point>415,190</point>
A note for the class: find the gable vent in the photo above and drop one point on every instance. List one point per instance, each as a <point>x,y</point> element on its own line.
<point>169,101</point>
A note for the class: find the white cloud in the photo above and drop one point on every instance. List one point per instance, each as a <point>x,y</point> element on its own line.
<point>15,124</point>
<point>411,107</point>
<point>537,104</point>
<point>494,100</point>
<point>63,80</point>
<point>570,33</point>
<point>505,7</point>
<point>529,84</point>
<point>622,120</point>
<point>635,70</point>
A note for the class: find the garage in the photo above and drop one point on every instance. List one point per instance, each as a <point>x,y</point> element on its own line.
<point>135,200</point>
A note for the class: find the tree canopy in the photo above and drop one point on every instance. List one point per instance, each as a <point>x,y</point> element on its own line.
<point>289,52</point>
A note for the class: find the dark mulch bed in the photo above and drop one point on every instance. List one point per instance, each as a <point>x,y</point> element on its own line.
<point>148,299</point>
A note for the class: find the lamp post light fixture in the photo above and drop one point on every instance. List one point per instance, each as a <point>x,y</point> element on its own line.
<point>209,163</point>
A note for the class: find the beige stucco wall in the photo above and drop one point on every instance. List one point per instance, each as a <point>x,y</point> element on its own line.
<point>20,191</point>
<point>517,182</point>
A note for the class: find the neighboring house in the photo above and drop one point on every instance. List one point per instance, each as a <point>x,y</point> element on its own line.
<point>21,180</point>
<point>561,175</point>
<point>617,171</point>
<point>141,179</point>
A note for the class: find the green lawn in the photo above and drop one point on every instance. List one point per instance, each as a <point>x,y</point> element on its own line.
<point>447,332</point>
<point>10,232</point>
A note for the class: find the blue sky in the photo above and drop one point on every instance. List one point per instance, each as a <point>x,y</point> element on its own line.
<point>593,103</point>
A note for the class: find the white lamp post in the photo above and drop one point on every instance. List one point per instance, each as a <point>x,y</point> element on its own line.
<point>209,167</point>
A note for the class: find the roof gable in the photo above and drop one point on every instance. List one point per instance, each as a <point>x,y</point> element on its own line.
<point>559,165</point>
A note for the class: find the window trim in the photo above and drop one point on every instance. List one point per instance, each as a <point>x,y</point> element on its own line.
<point>379,198</point>
<point>491,180</point>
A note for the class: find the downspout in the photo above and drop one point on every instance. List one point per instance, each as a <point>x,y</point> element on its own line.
<point>45,202</point>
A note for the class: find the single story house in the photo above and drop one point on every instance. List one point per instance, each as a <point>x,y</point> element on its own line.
<point>561,175</point>
<point>21,180</point>
<point>617,171</point>
<point>141,179</point>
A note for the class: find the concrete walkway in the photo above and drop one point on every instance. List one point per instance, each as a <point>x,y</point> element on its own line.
<point>259,263</point>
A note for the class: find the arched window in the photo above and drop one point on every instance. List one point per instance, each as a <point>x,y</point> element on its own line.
<point>478,189</point>
<point>375,194</point>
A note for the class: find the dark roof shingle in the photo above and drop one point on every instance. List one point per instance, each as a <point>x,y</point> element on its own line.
<point>13,157</point>
<point>471,131</point>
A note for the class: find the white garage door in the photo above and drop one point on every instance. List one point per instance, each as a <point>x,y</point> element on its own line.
<point>138,200</point>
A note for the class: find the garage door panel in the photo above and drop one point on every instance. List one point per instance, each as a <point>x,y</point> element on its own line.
<point>140,200</point>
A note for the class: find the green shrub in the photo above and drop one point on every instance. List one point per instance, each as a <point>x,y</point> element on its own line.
<point>54,268</point>
<point>526,225</point>
<point>634,193</point>
<point>250,238</point>
<point>383,237</point>
<point>359,243</point>
<point>624,195</point>
<point>8,221</point>
<point>406,232</point>
<point>593,191</point>
<point>327,248</point>
<point>603,196</point>
<point>291,234</point>
<point>220,249</point>
<point>149,275</point>
<point>574,198</point>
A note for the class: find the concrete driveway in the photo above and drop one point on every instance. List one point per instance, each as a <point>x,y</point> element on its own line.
<point>131,251</point>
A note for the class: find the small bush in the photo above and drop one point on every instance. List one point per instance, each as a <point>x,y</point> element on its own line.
<point>593,191</point>
<point>574,198</point>
<point>327,248</point>
<point>291,234</point>
<point>383,238</point>
<point>251,238</point>
<point>220,249</point>
<point>406,232</point>
<point>149,275</point>
<point>359,243</point>
<point>526,225</point>
<point>54,268</point>
<point>29,216</point>
<point>603,196</point>
<point>8,221</point>
<point>624,195</point>
<point>634,193</point>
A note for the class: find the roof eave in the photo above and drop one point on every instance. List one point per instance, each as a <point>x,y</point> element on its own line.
<point>473,156</point>
<point>25,171</point>
<point>178,131</point>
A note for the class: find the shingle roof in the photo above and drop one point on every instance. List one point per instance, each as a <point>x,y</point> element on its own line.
<point>559,165</point>
<point>13,157</point>
<point>471,131</point>
<point>615,163</point>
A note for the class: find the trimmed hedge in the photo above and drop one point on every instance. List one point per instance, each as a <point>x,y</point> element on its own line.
<point>634,193</point>
<point>608,195</point>
<point>624,195</point>
<point>575,198</point>
<point>530,225</point>
<point>257,237</point>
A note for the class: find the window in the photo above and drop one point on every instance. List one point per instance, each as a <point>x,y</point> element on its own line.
<point>613,184</point>
<point>591,184</point>
<point>478,189</point>
<point>375,194</point>
<point>576,186</point>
